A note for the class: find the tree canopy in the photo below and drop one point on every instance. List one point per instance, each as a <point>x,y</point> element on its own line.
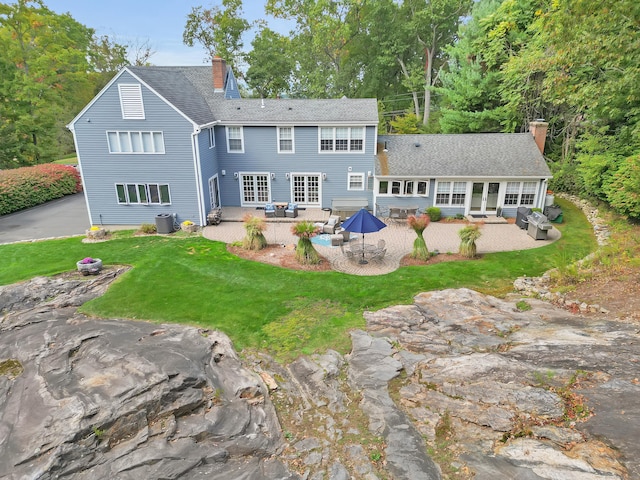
<point>450,66</point>
<point>50,68</point>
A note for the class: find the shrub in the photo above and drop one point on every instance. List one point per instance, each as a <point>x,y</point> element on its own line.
<point>27,187</point>
<point>254,240</point>
<point>148,228</point>
<point>435,214</point>
<point>306,254</point>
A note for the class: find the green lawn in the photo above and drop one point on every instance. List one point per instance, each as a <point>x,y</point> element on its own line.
<point>196,281</point>
<point>68,160</point>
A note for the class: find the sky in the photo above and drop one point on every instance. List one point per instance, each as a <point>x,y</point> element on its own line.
<point>160,22</point>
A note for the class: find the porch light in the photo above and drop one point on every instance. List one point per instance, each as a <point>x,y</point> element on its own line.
<point>286,175</point>
<point>235,175</point>
<point>273,176</point>
<point>324,176</point>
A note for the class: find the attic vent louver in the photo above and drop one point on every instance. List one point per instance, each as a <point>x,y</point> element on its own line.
<point>416,144</point>
<point>131,101</point>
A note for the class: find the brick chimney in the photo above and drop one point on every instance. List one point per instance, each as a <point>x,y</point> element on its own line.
<point>219,73</point>
<point>538,129</point>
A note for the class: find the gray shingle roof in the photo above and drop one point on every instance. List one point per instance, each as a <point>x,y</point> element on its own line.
<point>461,155</point>
<point>190,90</point>
<point>182,87</point>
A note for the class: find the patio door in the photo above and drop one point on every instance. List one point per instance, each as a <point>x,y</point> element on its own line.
<point>306,189</point>
<point>256,189</point>
<point>484,198</point>
<point>214,192</point>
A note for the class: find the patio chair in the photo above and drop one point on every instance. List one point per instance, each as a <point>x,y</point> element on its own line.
<point>291,210</point>
<point>379,255</point>
<point>269,210</point>
<point>332,224</point>
<point>381,244</point>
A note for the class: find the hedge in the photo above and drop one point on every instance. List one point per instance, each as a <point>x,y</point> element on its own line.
<point>30,186</point>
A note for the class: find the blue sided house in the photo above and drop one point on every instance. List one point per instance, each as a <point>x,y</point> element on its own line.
<point>180,140</point>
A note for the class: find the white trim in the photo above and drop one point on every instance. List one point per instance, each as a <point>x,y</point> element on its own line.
<point>226,130</point>
<point>306,174</point>
<point>212,137</point>
<point>402,181</point>
<point>147,193</point>
<point>361,175</point>
<point>197,170</point>
<point>333,150</point>
<point>293,139</point>
<point>217,202</point>
<point>84,183</point>
<point>118,138</point>
<point>452,181</point>
<point>241,189</point>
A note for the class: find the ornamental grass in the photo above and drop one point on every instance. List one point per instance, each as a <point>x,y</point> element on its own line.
<point>468,236</point>
<point>418,224</point>
<point>306,254</point>
<point>254,226</point>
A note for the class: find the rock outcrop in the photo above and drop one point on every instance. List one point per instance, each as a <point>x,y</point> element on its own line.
<point>455,385</point>
<point>90,398</point>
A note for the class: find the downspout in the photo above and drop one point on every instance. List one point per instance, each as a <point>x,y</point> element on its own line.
<point>198,170</point>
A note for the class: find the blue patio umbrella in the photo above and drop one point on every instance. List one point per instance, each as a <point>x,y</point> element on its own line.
<point>363,222</point>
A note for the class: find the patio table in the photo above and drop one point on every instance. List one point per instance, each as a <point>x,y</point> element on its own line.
<point>365,251</point>
<point>280,208</point>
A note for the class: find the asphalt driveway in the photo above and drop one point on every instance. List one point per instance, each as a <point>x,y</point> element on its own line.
<point>64,217</point>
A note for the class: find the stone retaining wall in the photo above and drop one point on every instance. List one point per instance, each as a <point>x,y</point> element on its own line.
<point>539,286</point>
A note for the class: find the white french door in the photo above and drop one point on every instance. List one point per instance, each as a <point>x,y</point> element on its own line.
<point>484,198</point>
<point>305,188</point>
<point>256,189</point>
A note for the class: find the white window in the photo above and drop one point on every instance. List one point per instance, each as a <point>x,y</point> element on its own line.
<point>342,139</point>
<point>131,101</point>
<point>235,140</point>
<point>285,140</point>
<point>451,193</point>
<point>520,193</point>
<point>408,188</point>
<point>143,193</point>
<point>356,181</point>
<point>212,137</point>
<point>135,142</point>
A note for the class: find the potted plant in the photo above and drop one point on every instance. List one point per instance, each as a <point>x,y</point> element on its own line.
<point>306,254</point>
<point>188,226</point>
<point>96,233</point>
<point>89,265</point>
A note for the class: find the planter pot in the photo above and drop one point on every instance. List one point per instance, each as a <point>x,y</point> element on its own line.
<point>97,234</point>
<point>189,228</point>
<point>92,268</point>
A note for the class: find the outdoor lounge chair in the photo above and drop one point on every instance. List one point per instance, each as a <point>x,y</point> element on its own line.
<point>269,210</point>
<point>291,210</point>
<point>332,225</point>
